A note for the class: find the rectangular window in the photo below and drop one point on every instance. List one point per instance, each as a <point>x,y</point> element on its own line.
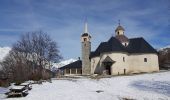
<point>73,71</point>
<point>67,71</point>
<point>123,59</point>
<point>125,44</point>
<point>145,59</point>
<point>79,71</point>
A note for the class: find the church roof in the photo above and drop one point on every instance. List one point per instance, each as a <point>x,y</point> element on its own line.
<point>122,38</point>
<point>76,64</point>
<point>85,34</point>
<point>120,28</point>
<point>108,59</point>
<point>140,45</point>
<point>136,45</point>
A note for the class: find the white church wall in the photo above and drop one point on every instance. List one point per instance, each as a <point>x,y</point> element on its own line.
<point>137,63</point>
<point>119,65</point>
<point>127,64</point>
<point>94,64</point>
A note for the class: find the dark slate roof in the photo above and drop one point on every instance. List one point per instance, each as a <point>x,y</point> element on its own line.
<point>108,59</point>
<point>122,38</point>
<point>85,34</point>
<point>120,28</point>
<point>136,45</point>
<point>139,45</point>
<point>76,64</point>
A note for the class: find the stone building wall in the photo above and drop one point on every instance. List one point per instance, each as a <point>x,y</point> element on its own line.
<point>86,49</point>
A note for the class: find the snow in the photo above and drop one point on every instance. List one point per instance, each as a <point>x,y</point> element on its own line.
<point>161,49</point>
<point>4,52</point>
<point>17,87</point>
<point>24,84</point>
<point>2,91</point>
<point>63,63</point>
<point>155,86</point>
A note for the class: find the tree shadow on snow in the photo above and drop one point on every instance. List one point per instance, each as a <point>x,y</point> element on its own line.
<point>162,87</point>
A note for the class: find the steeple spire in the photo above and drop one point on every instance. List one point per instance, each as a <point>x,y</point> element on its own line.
<point>119,30</point>
<point>85,27</point>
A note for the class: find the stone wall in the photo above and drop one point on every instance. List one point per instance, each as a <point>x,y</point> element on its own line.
<point>86,48</point>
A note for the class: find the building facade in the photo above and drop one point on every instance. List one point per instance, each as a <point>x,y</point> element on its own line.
<point>86,50</point>
<point>119,55</point>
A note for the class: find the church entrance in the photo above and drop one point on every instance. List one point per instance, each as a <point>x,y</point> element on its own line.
<point>107,63</point>
<point>107,68</point>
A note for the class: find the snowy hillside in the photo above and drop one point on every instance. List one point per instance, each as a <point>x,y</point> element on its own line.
<point>163,48</point>
<point>3,52</point>
<point>63,63</point>
<point>155,86</point>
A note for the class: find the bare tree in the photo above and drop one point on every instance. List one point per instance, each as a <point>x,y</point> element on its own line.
<point>30,55</point>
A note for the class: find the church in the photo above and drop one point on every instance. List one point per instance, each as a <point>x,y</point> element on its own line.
<point>119,55</point>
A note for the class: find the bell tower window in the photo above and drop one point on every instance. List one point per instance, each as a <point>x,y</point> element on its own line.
<point>85,39</point>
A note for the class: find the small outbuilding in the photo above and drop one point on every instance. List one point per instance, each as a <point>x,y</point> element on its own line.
<point>74,68</point>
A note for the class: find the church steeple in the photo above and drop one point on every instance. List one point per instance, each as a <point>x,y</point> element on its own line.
<point>119,30</point>
<point>86,49</point>
<point>120,35</point>
<point>85,36</point>
<point>85,28</point>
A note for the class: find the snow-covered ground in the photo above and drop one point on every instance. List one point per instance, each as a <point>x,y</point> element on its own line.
<point>141,87</point>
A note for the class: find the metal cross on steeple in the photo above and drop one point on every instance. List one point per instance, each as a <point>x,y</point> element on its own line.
<point>119,22</point>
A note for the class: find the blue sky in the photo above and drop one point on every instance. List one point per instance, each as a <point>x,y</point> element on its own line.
<point>64,20</point>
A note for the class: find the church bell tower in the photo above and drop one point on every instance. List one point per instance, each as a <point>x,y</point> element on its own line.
<point>86,49</point>
<point>119,34</point>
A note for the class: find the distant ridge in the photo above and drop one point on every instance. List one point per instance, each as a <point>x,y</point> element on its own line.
<point>63,63</point>
<point>4,51</point>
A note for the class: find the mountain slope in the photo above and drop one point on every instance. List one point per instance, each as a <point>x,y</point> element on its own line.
<point>63,63</point>
<point>4,52</point>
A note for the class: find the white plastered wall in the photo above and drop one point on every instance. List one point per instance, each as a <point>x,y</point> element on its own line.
<point>119,65</point>
<point>137,64</point>
<point>133,63</point>
<point>94,64</point>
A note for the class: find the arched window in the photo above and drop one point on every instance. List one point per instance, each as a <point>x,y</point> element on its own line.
<point>85,39</point>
